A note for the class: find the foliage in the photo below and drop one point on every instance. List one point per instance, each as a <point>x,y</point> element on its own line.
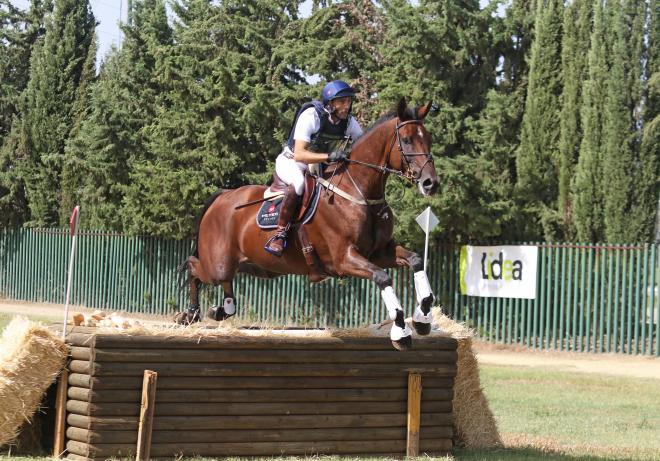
<point>542,110</point>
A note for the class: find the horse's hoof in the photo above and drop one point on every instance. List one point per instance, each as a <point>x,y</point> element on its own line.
<point>422,328</point>
<point>218,313</point>
<point>427,303</point>
<point>186,318</point>
<point>402,344</point>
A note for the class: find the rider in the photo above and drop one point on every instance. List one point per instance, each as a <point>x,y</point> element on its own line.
<point>318,134</point>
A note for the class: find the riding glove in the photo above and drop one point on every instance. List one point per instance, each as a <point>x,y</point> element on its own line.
<point>337,155</point>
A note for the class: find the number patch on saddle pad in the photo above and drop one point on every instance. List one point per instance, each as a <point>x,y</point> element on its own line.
<point>270,210</point>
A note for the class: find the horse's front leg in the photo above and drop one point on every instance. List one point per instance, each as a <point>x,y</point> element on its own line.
<point>396,255</point>
<point>356,265</point>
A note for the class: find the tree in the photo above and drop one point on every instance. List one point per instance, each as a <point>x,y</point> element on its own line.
<point>538,154</point>
<point>19,34</point>
<point>114,136</point>
<point>647,177</point>
<point>217,120</point>
<point>587,185</point>
<point>618,136</point>
<point>56,69</point>
<point>575,49</point>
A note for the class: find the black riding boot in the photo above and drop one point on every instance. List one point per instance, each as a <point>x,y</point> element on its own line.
<point>277,243</point>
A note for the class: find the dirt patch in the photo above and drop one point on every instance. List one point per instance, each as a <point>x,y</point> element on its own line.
<point>487,353</point>
<point>637,366</point>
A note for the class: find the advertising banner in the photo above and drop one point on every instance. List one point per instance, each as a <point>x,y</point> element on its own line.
<point>499,271</point>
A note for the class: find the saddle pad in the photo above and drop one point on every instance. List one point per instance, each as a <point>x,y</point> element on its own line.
<point>270,210</point>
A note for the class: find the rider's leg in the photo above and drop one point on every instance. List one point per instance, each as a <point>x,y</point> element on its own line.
<point>277,243</point>
<point>291,173</point>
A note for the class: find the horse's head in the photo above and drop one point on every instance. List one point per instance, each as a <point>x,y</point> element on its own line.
<point>411,148</point>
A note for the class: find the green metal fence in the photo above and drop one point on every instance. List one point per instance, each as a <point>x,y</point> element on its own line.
<point>599,298</point>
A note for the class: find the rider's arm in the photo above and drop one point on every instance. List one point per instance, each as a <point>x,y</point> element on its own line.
<point>301,154</point>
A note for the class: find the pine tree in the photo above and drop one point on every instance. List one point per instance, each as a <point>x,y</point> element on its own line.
<point>587,186</point>
<point>218,117</point>
<point>440,51</point>
<point>575,49</point>
<point>55,72</point>
<point>114,136</point>
<point>538,154</point>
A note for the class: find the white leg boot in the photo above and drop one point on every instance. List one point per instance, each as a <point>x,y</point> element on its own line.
<point>400,334</point>
<point>422,321</point>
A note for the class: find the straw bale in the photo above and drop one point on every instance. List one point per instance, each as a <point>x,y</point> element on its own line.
<point>31,358</point>
<point>474,422</point>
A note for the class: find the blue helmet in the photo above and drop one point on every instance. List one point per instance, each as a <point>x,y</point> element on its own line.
<point>336,89</point>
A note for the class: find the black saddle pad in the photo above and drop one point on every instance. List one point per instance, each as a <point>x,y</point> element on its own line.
<point>270,210</point>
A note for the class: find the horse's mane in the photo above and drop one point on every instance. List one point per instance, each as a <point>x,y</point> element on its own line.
<point>409,114</point>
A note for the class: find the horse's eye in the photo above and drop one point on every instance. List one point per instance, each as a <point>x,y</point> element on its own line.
<point>406,140</point>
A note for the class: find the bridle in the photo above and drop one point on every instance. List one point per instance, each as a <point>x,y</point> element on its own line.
<point>409,174</point>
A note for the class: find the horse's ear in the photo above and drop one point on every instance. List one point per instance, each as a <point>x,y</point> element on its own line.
<point>423,111</point>
<point>402,109</point>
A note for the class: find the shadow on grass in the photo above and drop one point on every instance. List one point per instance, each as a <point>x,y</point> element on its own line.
<point>528,454</point>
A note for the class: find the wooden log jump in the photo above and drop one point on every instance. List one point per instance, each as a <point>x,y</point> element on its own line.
<point>259,395</point>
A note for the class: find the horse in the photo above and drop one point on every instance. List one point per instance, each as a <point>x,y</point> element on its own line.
<point>351,230</point>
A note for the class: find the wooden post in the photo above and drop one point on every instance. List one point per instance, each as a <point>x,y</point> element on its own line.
<point>146,415</point>
<point>60,413</point>
<point>414,413</point>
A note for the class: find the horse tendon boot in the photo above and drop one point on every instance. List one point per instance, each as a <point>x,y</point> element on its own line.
<point>278,242</point>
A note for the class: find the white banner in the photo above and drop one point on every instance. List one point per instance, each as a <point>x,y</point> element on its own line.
<point>499,271</point>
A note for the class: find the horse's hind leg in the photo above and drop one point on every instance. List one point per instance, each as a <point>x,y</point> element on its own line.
<point>192,315</point>
<point>228,307</point>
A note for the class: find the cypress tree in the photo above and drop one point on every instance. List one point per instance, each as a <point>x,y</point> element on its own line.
<point>538,154</point>
<point>20,33</point>
<point>55,72</point>
<point>72,180</point>
<point>587,186</point>
<point>19,30</point>
<point>620,144</point>
<point>575,49</point>
<point>647,180</point>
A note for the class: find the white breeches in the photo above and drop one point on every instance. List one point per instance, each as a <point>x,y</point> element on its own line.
<point>291,172</point>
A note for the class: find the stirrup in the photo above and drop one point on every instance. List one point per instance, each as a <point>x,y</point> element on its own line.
<point>276,236</point>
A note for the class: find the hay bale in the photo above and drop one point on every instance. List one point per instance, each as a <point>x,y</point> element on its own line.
<point>31,358</point>
<point>475,425</point>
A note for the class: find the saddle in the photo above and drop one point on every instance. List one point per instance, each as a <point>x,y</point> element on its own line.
<point>268,213</point>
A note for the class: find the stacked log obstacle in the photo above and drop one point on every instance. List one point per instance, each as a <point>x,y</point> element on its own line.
<point>257,395</point>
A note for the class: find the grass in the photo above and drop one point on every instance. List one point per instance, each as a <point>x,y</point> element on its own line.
<point>6,318</point>
<point>571,416</point>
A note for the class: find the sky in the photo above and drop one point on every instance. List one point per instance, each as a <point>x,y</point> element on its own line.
<point>108,14</point>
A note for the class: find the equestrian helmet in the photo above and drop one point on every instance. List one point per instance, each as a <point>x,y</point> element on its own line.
<point>336,89</point>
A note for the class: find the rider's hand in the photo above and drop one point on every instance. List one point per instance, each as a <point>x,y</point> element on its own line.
<point>337,155</point>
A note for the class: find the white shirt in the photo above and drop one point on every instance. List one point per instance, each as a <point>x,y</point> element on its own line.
<point>309,123</point>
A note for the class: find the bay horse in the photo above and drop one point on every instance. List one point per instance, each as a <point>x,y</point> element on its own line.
<point>351,229</point>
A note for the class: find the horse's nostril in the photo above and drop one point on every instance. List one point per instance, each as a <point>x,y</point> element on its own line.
<point>427,184</point>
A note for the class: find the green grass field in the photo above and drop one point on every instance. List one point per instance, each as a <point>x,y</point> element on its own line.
<point>560,416</point>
